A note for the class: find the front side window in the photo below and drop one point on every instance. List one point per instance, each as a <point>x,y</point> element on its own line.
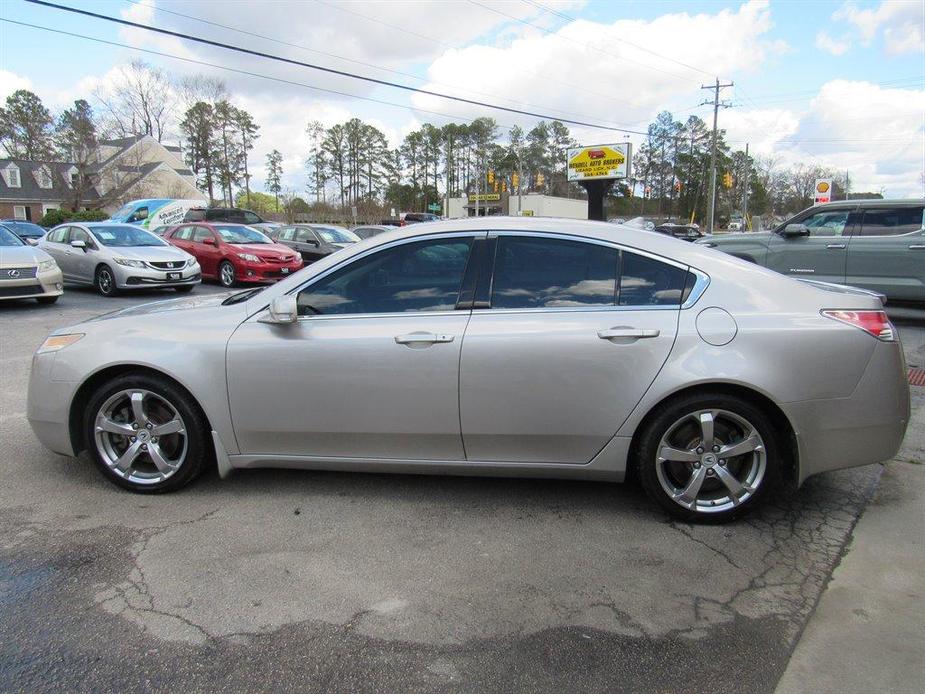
<point>552,273</point>
<point>892,221</point>
<point>303,235</point>
<point>831,223</point>
<point>78,234</point>
<point>411,277</point>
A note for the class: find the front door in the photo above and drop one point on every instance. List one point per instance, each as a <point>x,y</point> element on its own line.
<point>371,368</point>
<point>888,255</point>
<point>820,256</point>
<point>570,338</point>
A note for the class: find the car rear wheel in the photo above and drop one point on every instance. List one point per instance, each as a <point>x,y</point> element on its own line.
<point>146,434</point>
<point>226,274</point>
<point>105,281</point>
<point>709,457</point>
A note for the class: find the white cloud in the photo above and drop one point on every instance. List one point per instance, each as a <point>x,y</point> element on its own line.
<point>762,129</point>
<point>900,23</point>
<point>826,43</point>
<point>10,82</point>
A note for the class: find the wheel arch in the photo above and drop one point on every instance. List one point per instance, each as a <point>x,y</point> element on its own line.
<point>83,394</point>
<point>780,420</point>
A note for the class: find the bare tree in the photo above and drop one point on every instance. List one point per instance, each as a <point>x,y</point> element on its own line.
<point>140,102</point>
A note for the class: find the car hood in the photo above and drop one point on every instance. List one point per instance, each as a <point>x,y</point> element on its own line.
<point>149,254</point>
<point>265,250</point>
<point>20,256</point>
<point>189,303</point>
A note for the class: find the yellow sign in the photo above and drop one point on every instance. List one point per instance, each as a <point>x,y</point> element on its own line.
<point>822,186</point>
<point>485,197</point>
<point>526,213</point>
<point>599,162</point>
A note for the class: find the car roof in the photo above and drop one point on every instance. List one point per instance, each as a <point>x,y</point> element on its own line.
<point>871,202</point>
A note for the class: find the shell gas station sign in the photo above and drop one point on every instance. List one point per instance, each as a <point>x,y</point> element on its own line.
<point>823,190</point>
<point>599,162</point>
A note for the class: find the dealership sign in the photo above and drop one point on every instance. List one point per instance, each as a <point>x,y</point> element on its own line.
<point>485,197</point>
<point>599,162</point>
<point>823,190</point>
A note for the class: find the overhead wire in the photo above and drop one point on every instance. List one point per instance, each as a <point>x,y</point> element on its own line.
<point>321,68</point>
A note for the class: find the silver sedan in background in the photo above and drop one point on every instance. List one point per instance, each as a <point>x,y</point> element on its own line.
<point>115,257</point>
<point>27,272</point>
<point>492,346</point>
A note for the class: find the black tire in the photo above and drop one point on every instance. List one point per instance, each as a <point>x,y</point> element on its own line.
<point>183,290</point>
<point>650,466</point>
<point>47,299</point>
<point>227,276</point>
<point>197,440</point>
<point>105,281</point>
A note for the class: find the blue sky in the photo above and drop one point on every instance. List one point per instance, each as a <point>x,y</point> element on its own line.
<point>836,83</point>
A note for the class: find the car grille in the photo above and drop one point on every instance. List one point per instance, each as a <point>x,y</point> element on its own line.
<point>17,273</point>
<point>169,265</point>
<point>21,291</point>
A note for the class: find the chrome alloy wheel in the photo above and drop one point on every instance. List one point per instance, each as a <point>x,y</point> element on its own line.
<point>227,274</point>
<point>711,461</point>
<point>140,436</point>
<point>106,281</point>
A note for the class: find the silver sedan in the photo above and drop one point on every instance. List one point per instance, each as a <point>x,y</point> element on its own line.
<point>115,257</point>
<point>498,346</point>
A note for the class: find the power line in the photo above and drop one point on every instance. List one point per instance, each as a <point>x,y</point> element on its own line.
<point>340,57</point>
<point>579,43</point>
<point>321,68</point>
<point>567,17</point>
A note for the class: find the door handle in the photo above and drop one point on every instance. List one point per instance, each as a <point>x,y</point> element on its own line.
<point>628,333</point>
<point>836,246</point>
<point>917,247</point>
<point>428,338</point>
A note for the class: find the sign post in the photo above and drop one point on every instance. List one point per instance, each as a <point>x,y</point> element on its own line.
<point>595,168</point>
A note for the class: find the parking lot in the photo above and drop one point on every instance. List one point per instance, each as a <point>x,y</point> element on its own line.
<point>337,582</point>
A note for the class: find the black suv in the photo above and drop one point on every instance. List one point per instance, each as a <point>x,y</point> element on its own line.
<point>222,214</point>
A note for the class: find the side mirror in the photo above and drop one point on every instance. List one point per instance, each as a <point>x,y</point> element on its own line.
<point>283,310</point>
<point>311,242</point>
<point>209,241</point>
<point>794,230</point>
<point>79,244</point>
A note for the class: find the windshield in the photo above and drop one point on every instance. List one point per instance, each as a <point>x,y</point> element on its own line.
<point>337,235</point>
<point>123,211</point>
<point>126,236</point>
<point>8,238</point>
<point>235,233</point>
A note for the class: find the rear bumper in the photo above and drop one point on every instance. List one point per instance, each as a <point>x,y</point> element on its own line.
<point>866,427</point>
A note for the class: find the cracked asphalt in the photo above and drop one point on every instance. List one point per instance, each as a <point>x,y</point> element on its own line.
<point>352,582</point>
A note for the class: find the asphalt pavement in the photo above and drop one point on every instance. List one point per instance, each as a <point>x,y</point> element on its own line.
<point>353,582</point>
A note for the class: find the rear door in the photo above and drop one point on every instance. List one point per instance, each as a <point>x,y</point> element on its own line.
<point>820,256</point>
<point>208,254</point>
<point>56,245</point>
<point>82,263</point>
<point>562,345</point>
<point>887,255</point>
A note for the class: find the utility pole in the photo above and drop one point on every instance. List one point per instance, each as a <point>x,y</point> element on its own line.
<point>745,188</point>
<point>716,104</point>
<point>520,179</point>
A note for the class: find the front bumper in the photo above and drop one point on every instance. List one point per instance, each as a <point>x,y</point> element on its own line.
<point>866,427</point>
<point>267,272</point>
<point>48,405</point>
<point>138,278</point>
<point>47,283</point>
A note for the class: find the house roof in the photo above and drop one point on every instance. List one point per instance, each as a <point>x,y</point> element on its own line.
<point>29,188</point>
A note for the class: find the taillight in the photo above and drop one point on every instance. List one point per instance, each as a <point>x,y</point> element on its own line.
<point>875,323</point>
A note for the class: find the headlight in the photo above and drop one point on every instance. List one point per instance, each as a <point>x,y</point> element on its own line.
<point>128,262</point>
<point>250,257</point>
<point>47,265</point>
<point>191,262</point>
<point>58,342</point>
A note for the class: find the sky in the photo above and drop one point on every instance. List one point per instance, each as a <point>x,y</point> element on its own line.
<point>836,83</point>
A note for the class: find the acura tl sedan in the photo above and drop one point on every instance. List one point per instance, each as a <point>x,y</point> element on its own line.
<point>115,257</point>
<point>491,346</point>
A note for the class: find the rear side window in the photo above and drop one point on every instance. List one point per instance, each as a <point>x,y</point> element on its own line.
<point>553,273</point>
<point>217,215</point>
<point>893,221</point>
<point>285,234</point>
<point>200,234</point>
<point>182,234</point>
<point>195,215</point>
<point>58,235</point>
<point>648,282</point>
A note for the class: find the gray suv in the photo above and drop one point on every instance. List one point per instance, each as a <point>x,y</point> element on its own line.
<point>872,244</point>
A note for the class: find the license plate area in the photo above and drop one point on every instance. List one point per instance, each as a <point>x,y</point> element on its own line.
<point>174,275</point>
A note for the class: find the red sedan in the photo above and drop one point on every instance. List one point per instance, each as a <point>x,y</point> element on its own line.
<point>234,253</point>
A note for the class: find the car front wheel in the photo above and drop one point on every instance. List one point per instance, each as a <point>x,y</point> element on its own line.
<point>709,458</point>
<point>226,274</point>
<point>105,281</point>
<point>146,434</point>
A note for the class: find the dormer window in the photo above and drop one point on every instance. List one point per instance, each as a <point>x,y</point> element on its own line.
<point>71,177</point>
<point>12,177</point>
<point>43,177</point>
<point>75,179</point>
